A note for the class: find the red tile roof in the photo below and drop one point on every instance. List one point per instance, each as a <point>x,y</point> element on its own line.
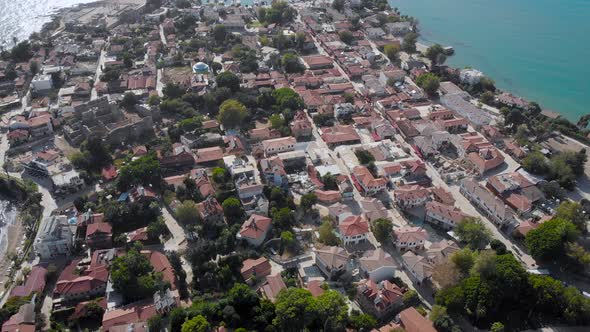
<point>412,321</point>
<point>255,227</point>
<point>354,225</point>
<point>35,283</point>
<point>259,267</point>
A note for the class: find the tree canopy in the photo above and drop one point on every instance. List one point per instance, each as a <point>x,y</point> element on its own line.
<point>429,82</point>
<point>473,232</point>
<point>134,277</point>
<point>232,113</point>
<point>144,170</point>
<point>548,240</point>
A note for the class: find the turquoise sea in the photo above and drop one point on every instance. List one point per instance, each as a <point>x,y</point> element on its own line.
<point>538,49</point>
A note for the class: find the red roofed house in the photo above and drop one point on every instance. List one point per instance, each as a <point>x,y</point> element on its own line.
<point>254,229</point>
<point>77,283</point>
<point>22,321</point>
<point>340,135</point>
<point>328,197</point>
<point>40,125</point>
<point>18,136</point>
<point>161,264</point>
<point>301,126</point>
<point>381,299</point>
<point>367,182</point>
<point>209,155</point>
<point>210,210</point>
<point>315,287</point>
<point>124,316</point>
<point>35,283</point>
<point>353,230</point>
<point>202,182</point>
<point>318,62</point>
<point>409,196</point>
<point>412,321</point>
<point>255,269</point>
<point>271,288</point>
<point>443,215</point>
<point>99,235</point>
<point>410,238</point>
<point>486,159</point>
<point>278,145</point>
<point>140,234</point>
<point>109,173</point>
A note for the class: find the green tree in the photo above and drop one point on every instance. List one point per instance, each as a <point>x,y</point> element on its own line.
<point>573,212</point>
<point>429,82</point>
<point>332,310</point>
<point>129,101</point>
<point>365,157</point>
<point>173,91</point>
<point>153,100</point>
<point>283,218</point>
<point>232,113</point>
<point>34,67</point>
<point>497,327</point>
<point>346,37</point>
<point>155,323</point>
<point>21,52</point>
<point>487,97</point>
<point>362,322</point>
<point>232,208</point>
<point>473,232</point>
<point>276,121</point>
<point>229,80</point>
<point>436,54</point>
<point>143,170</point>
<point>287,98</point>
<point>338,5</point>
<point>535,163</point>
<point>308,201</point>
<point>498,246</point>
<point>577,255</point>
<point>287,240</point>
<point>133,276</point>
<point>187,213</point>
<point>327,235</point>
<point>219,33</point>
<point>464,260</point>
<point>382,230</point>
<point>411,298</point>
<point>548,240</point>
<point>196,324</point>
<point>295,309</point>
<point>291,63</point>
<point>391,51</point>
<point>409,42</point>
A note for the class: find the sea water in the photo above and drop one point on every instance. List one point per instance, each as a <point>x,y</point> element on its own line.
<point>538,49</point>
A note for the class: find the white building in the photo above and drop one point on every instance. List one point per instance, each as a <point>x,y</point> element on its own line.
<point>377,265</point>
<point>278,145</point>
<point>443,215</point>
<point>353,230</point>
<point>470,76</point>
<point>54,239</point>
<point>41,83</point>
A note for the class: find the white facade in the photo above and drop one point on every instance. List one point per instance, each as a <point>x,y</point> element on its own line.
<point>346,240</point>
<point>54,239</point>
<point>470,76</point>
<point>41,83</point>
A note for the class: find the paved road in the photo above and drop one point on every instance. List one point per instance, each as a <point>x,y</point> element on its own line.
<point>177,242</point>
<point>101,60</point>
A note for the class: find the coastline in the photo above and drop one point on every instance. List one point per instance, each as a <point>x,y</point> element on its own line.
<point>508,44</point>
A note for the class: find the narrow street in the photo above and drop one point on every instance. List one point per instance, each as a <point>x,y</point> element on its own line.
<point>101,60</point>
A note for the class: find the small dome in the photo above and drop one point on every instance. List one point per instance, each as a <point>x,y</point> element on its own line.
<point>200,67</point>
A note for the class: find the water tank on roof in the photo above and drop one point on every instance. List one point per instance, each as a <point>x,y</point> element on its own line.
<point>201,67</point>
